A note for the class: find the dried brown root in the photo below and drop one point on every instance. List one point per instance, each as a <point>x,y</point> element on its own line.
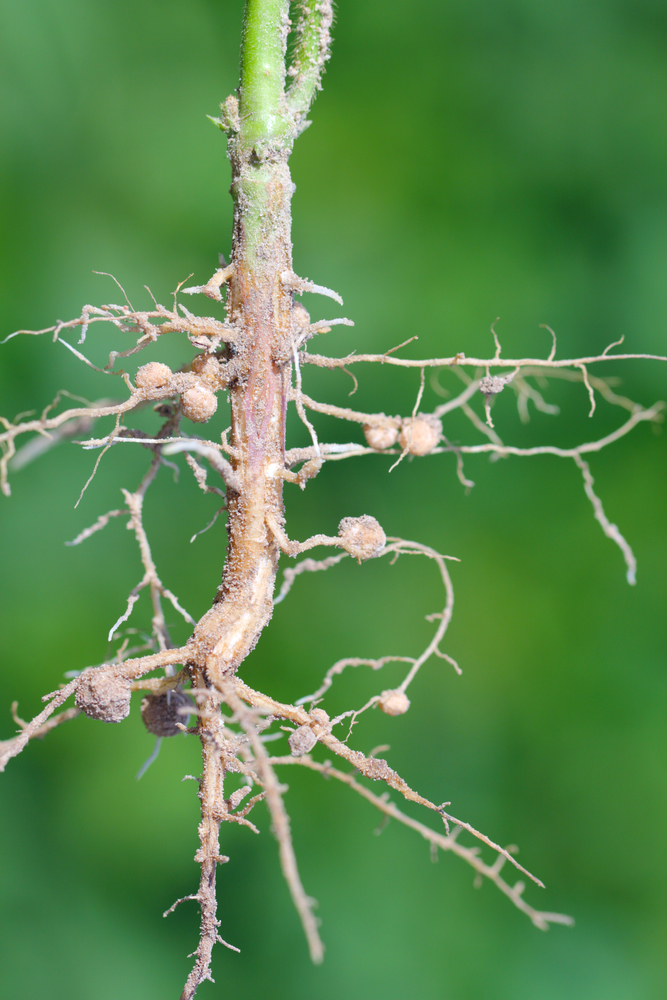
<point>280,822</point>
<point>53,722</point>
<point>208,856</point>
<point>398,547</point>
<point>150,579</point>
<point>104,692</point>
<point>448,842</point>
<point>349,661</point>
<point>220,748</point>
<point>12,747</point>
<point>373,768</point>
<point>460,359</point>
<point>610,530</point>
<point>305,566</point>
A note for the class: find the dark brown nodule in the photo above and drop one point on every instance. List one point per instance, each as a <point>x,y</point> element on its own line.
<point>104,696</point>
<point>161,712</point>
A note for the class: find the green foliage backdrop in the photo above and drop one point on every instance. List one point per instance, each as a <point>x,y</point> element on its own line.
<point>467,160</point>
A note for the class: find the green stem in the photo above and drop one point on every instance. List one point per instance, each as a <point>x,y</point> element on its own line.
<point>310,55</point>
<point>264,121</point>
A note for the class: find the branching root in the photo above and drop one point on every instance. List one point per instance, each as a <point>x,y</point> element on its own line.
<point>232,719</point>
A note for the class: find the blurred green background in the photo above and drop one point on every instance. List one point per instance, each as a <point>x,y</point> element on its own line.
<point>467,160</point>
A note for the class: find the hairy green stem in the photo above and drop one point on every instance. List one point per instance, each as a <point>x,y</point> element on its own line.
<point>310,54</point>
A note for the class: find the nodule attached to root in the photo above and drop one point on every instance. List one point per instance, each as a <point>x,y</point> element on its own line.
<point>208,367</point>
<point>300,316</point>
<point>382,436</point>
<point>161,712</point>
<point>420,434</point>
<point>152,375</point>
<point>394,702</point>
<point>362,537</point>
<point>198,404</point>
<point>302,741</point>
<point>103,695</point>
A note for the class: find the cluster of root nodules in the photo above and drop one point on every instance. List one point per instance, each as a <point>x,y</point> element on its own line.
<point>235,724</point>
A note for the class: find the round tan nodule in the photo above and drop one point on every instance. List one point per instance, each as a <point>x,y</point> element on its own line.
<point>320,716</point>
<point>394,702</point>
<point>152,375</point>
<point>381,437</point>
<point>301,741</point>
<point>362,537</point>
<point>103,695</point>
<point>207,366</point>
<point>300,316</point>
<point>198,404</point>
<point>420,434</point>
